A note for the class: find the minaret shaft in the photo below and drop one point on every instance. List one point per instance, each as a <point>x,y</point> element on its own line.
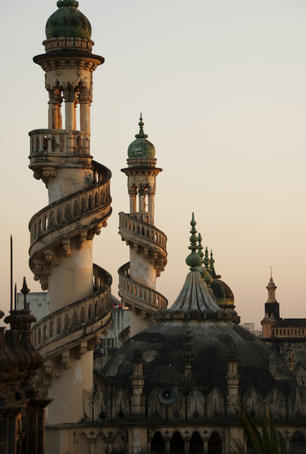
<point>79,205</point>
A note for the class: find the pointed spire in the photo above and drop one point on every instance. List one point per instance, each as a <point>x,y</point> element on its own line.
<point>193,260</point>
<point>211,264</point>
<point>206,259</point>
<point>11,272</point>
<point>25,290</point>
<point>15,297</point>
<point>141,134</point>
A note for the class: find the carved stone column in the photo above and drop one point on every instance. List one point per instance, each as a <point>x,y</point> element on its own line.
<point>69,97</point>
<point>54,112</point>
<point>133,194</point>
<point>85,101</point>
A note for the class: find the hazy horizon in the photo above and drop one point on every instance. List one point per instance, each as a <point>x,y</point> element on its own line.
<point>222,89</point>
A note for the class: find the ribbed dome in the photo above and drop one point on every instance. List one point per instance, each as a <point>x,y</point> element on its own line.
<point>68,22</point>
<point>162,345</point>
<point>141,147</point>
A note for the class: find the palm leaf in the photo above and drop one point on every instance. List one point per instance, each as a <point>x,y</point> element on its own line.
<point>262,437</point>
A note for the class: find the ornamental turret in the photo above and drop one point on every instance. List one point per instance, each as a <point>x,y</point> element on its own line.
<point>79,206</point>
<point>148,256</point>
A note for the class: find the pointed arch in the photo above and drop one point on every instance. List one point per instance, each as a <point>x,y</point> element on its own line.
<point>196,444</point>
<point>215,443</point>
<point>157,443</point>
<point>177,443</point>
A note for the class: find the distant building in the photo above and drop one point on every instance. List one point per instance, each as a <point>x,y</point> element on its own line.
<point>111,341</point>
<point>38,303</point>
<point>250,326</point>
<point>286,335</point>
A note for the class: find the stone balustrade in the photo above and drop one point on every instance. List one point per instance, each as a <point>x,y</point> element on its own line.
<point>138,293</point>
<point>70,208</point>
<point>53,44</point>
<point>58,141</point>
<point>146,231</point>
<point>77,315</point>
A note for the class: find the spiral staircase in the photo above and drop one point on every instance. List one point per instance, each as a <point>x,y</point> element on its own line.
<point>73,219</point>
<point>150,243</point>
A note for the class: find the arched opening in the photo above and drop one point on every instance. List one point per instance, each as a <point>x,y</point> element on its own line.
<point>157,443</point>
<point>214,444</point>
<point>82,316</point>
<point>196,443</point>
<point>75,318</point>
<point>297,443</point>
<point>177,443</point>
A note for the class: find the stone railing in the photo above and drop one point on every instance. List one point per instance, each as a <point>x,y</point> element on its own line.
<point>141,295</point>
<point>141,162</point>
<point>76,315</point>
<point>53,44</point>
<point>143,230</point>
<point>58,141</point>
<point>68,209</point>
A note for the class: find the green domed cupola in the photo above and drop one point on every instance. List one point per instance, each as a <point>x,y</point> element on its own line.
<point>141,147</point>
<point>68,22</point>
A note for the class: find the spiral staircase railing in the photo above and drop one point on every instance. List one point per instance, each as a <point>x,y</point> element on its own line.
<point>150,242</point>
<point>78,216</point>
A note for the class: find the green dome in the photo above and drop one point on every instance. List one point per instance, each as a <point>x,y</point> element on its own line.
<point>141,147</point>
<point>68,22</point>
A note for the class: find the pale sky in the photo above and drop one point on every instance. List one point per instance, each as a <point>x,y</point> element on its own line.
<point>221,84</point>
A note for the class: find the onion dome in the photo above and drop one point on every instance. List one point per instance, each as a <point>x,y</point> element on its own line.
<point>222,292</point>
<point>195,294</point>
<point>68,22</point>
<point>141,147</point>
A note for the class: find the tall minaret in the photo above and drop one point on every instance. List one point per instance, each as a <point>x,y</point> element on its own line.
<point>271,310</point>
<point>79,206</point>
<point>148,256</point>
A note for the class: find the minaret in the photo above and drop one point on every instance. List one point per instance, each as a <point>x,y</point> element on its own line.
<point>271,310</point>
<point>272,306</point>
<point>79,206</point>
<point>148,256</point>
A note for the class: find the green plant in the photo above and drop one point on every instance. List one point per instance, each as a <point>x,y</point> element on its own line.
<point>261,435</point>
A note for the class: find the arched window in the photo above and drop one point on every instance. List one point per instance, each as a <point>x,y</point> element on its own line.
<point>157,443</point>
<point>214,444</point>
<point>177,443</point>
<point>196,443</point>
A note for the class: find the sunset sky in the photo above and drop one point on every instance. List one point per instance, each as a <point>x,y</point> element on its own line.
<point>221,85</point>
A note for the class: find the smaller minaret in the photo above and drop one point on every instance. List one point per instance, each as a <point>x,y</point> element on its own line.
<point>271,306</point>
<point>148,254</point>
<point>271,310</point>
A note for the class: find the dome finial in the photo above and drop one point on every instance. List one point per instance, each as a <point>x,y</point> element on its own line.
<point>141,134</point>
<point>193,260</point>
<point>61,3</point>
<point>212,264</point>
<point>200,247</point>
<point>206,259</point>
